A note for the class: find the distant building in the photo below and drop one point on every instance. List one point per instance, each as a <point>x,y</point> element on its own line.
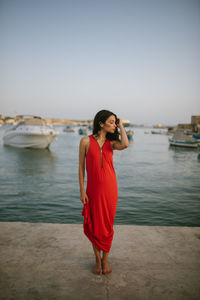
<point>193,126</point>
<point>126,123</point>
<point>184,126</point>
<point>195,121</point>
<point>159,126</point>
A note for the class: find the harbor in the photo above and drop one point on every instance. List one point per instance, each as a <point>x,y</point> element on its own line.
<point>100,101</point>
<point>158,184</point>
<point>44,253</point>
<point>55,261</point>
<point>183,135</point>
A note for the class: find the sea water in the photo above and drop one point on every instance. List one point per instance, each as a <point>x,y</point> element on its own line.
<point>157,184</point>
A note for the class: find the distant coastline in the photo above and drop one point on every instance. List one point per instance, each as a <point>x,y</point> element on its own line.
<point>54,121</point>
<point>195,121</point>
<point>5,120</point>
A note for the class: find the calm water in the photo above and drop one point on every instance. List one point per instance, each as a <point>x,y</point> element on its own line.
<point>157,184</point>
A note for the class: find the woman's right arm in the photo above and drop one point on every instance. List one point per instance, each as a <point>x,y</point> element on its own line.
<point>82,152</point>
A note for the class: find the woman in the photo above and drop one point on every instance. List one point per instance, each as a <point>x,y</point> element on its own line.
<point>100,198</point>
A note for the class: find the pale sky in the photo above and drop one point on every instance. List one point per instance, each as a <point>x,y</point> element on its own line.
<point>69,59</point>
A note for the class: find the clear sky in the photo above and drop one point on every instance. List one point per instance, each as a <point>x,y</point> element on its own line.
<point>69,59</point>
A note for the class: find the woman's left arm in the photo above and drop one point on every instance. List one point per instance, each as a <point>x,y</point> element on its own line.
<point>120,145</point>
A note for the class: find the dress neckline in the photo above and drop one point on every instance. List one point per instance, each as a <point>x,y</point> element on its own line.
<point>98,143</point>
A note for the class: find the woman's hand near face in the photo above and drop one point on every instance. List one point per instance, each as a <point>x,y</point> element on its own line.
<point>120,145</point>
<point>119,123</point>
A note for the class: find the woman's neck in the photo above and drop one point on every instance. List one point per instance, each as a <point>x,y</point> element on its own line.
<point>102,135</point>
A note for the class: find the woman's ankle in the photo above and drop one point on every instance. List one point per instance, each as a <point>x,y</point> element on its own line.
<point>98,260</point>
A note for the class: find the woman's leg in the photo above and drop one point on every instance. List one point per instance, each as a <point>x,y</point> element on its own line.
<point>98,268</point>
<point>105,267</point>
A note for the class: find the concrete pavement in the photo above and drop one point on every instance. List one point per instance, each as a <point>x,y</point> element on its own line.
<point>55,261</point>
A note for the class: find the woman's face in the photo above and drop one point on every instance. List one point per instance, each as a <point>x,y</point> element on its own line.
<point>110,124</point>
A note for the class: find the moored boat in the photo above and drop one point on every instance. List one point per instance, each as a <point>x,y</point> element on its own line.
<point>69,128</point>
<point>30,132</point>
<point>130,134</point>
<point>83,130</point>
<point>180,139</point>
<point>195,136</point>
<point>158,132</point>
<point>183,143</point>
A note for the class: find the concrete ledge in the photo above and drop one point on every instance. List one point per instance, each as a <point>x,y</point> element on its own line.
<point>55,261</point>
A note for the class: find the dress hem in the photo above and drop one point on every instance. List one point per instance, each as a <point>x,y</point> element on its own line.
<point>94,243</point>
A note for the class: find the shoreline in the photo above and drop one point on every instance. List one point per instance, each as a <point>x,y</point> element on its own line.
<point>5,120</point>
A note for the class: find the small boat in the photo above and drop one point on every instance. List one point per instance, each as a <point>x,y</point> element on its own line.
<point>30,132</point>
<point>69,128</point>
<point>155,132</point>
<point>83,130</point>
<point>180,139</point>
<point>130,134</point>
<point>195,136</point>
<point>183,143</point>
<point>158,132</point>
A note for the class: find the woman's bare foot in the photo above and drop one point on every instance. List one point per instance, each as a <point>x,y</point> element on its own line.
<point>105,267</point>
<point>98,269</point>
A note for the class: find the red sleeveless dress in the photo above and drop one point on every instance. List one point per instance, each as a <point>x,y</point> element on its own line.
<point>99,212</point>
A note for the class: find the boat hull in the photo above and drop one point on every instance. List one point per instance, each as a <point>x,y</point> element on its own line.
<point>196,136</point>
<point>182,143</point>
<point>129,134</point>
<point>20,140</point>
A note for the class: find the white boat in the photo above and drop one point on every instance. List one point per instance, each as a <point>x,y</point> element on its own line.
<point>30,132</point>
<point>180,139</point>
<point>158,132</point>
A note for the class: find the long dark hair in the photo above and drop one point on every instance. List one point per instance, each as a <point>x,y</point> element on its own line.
<point>102,116</point>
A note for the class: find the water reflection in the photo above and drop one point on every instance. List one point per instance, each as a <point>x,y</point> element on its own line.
<point>181,149</point>
<point>31,161</point>
<point>181,152</point>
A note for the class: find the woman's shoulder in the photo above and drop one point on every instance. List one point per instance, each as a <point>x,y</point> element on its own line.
<point>85,140</point>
